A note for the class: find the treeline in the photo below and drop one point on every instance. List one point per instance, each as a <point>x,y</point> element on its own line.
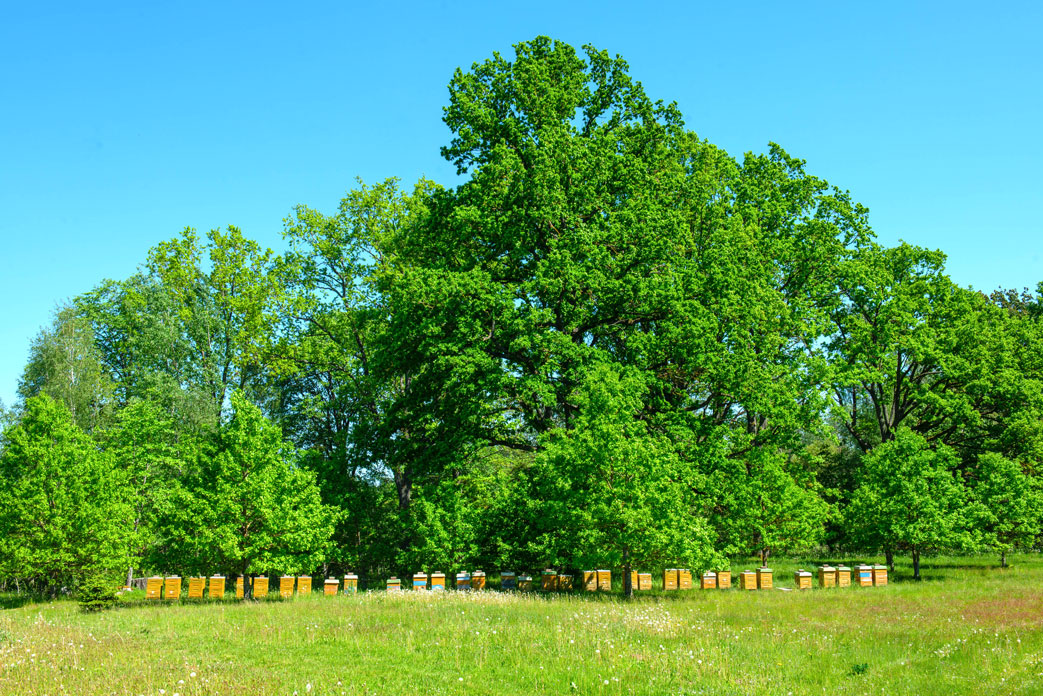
<point>611,345</point>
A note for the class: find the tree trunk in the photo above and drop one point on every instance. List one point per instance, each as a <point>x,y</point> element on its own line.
<point>130,575</point>
<point>889,555</point>
<point>248,586</point>
<point>764,557</point>
<point>404,487</point>
<point>1003,559</point>
<point>916,565</point>
<point>628,584</point>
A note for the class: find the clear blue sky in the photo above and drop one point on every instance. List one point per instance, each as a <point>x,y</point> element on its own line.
<point>120,124</point>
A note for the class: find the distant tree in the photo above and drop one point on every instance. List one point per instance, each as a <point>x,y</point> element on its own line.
<point>1007,505</point>
<point>64,506</point>
<point>910,498</point>
<point>248,507</point>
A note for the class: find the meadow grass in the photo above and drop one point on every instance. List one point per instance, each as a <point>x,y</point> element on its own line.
<point>969,627</point>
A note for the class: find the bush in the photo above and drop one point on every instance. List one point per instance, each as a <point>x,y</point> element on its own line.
<point>97,591</point>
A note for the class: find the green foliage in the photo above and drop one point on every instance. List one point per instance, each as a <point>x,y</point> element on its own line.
<point>97,590</point>
<point>1007,504</point>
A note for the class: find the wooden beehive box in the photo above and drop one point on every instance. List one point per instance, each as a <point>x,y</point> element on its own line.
<point>351,583</point>
<point>438,582</point>
<point>748,580</point>
<point>644,581</point>
<point>478,580</point>
<point>196,587</point>
<point>865,575</point>
<point>286,583</point>
<point>827,576</point>
<point>172,588</point>
<point>217,586</point>
<point>394,585</point>
<point>879,575</point>
<point>670,579</point>
<point>604,580</point>
<point>764,579</point>
<point>525,583</point>
<point>684,579</point>
<point>708,580</point>
<point>724,579</point>
<point>590,580</point>
<point>843,576</point>
<point>304,585</point>
<point>330,586</point>
<point>260,587</point>
<point>549,580</point>
<point>419,581</point>
<point>508,580</point>
<point>463,581</point>
<point>564,583</point>
<point>154,588</point>
<point>802,580</point>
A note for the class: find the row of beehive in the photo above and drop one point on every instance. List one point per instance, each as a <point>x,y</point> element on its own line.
<point>170,587</point>
<point>828,576</point>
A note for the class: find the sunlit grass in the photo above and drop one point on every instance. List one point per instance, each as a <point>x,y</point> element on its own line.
<point>969,628</point>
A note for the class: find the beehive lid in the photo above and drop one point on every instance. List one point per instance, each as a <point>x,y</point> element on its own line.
<point>438,575</point>
<point>351,576</point>
<point>332,581</point>
<point>827,568</point>
<point>803,573</point>
<point>478,572</point>
<point>217,577</point>
<point>843,568</point>
<point>709,574</point>
<point>865,567</point>
<point>879,567</point>
<point>525,577</point>
<point>764,570</point>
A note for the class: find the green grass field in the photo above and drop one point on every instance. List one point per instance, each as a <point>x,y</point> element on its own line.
<point>969,627</point>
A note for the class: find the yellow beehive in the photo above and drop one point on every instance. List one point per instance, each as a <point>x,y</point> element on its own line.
<point>286,586</point>
<point>590,580</point>
<point>330,586</point>
<point>508,580</point>
<point>438,582</point>
<point>670,576</point>
<point>304,585</point>
<point>827,576</point>
<point>565,582</point>
<point>172,588</point>
<point>154,588</point>
<point>879,575</point>
<point>394,585</point>
<point>684,579</point>
<point>217,587</point>
<point>605,580</point>
<point>463,581</point>
<point>748,580</point>
<point>239,587</point>
<point>724,579</point>
<point>196,587</point>
<point>708,580</point>
<point>525,583</point>
<point>802,580</point>
<point>260,587</point>
<point>351,583</point>
<point>644,581</point>
<point>843,576</point>
<point>419,581</point>
<point>478,580</point>
<point>865,575</point>
<point>764,579</point>
<point>549,580</point>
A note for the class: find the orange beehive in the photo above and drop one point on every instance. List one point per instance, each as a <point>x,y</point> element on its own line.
<point>865,575</point>
<point>590,580</point>
<point>217,586</point>
<point>463,581</point>
<point>525,583</point>
<point>684,579</point>
<point>802,580</point>
<point>196,587</point>
<point>879,575</point>
<point>843,576</point>
<point>419,581</point>
<point>154,588</point>
<point>351,583</point>
<point>644,581</point>
<point>478,580</point>
<point>304,585</point>
<point>565,583</point>
<point>260,587</point>
<point>239,585</point>
<point>330,586</point>
<point>670,579</point>
<point>605,580</point>
<point>286,583</point>
<point>708,580</point>
<point>764,579</point>
<point>394,585</point>
<point>549,580</point>
<point>172,588</point>
<point>724,579</point>
<point>438,582</point>
<point>748,580</point>
<point>827,576</point>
